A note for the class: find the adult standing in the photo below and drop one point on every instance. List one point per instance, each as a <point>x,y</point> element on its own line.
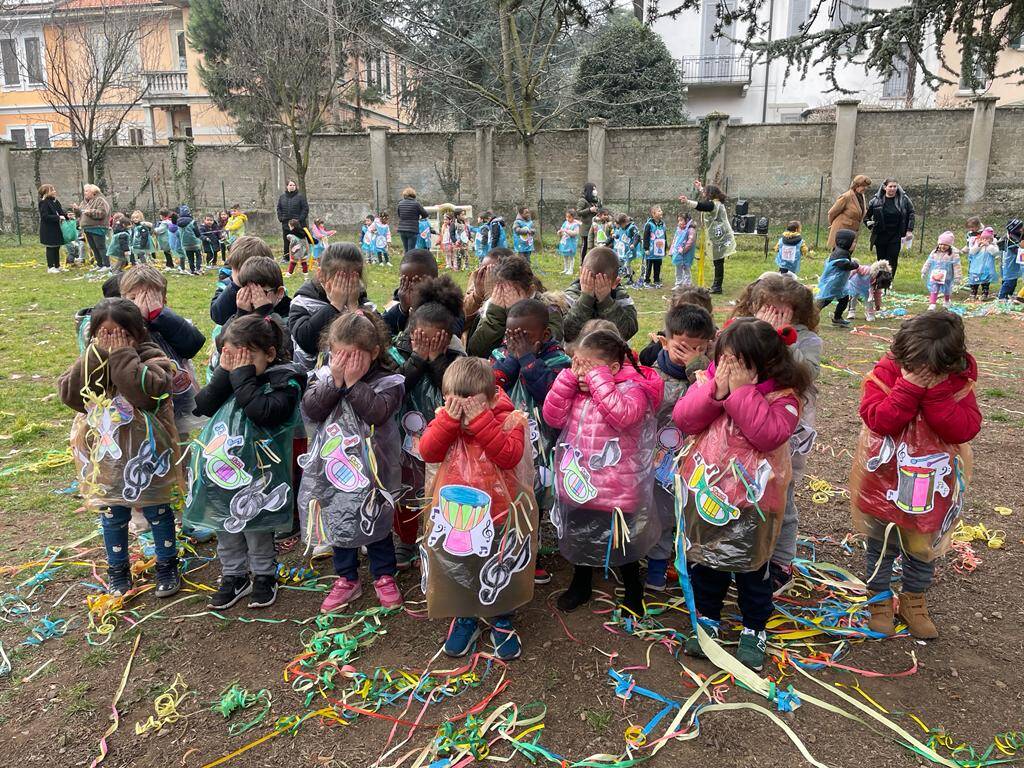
<point>51,214</point>
<point>291,205</point>
<point>94,220</point>
<point>586,209</point>
<point>715,222</point>
<point>409,214</point>
<point>890,217</point>
<point>849,210</point>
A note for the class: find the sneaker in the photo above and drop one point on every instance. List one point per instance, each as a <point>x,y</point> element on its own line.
<point>781,577</point>
<point>405,554</point>
<point>658,286</point>
<point>851,314</point>
<point>869,315</point>
<point>931,307</point>
<point>53,270</point>
<point>387,592</point>
<point>342,593</point>
<point>657,571</point>
<point>264,591</point>
<point>232,589</point>
<point>505,640</point>
<point>692,647</point>
<point>540,576</point>
<point>840,322</point>
<point>572,599</point>
<point>461,636</point>
<point>119,579</point>
<point>753,646</point>
<point>168,580</point>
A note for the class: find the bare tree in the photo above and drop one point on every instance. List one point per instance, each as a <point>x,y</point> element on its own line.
<point>94,63</point>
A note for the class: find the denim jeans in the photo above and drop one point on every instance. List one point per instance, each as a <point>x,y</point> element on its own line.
<point>114,521</point>
<point>380,553</point>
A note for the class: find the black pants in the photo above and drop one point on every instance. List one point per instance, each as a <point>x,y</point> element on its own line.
<point>716,284</point>
<point>585,244</point>
<point>381,555</point>
<point>169,259</point>
<point>285,229</point>
<point>53,257</point>
<point>974,289</point>
<point>890,252</point>
<point>210,249</point>
<point>841,304</point>
<point>223,252</point>
<point>408,241</point>
<point>98,246</point>
<point>653,268</point>
<point>754,591</point>
<point>194,261</point>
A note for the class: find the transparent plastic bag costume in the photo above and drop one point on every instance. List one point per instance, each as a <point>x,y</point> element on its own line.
<point>915,480</point>
<point>593,526</point>
<point>125,456</point>
<point>733,497</point>
<point>479,555</point>
<point>184,387</point>
<point>344,498</point>
<point>239,475</point>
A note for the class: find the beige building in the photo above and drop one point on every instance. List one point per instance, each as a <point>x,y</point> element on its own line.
<point>1008,90</point>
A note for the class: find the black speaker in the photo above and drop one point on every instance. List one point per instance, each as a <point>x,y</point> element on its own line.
<point>742,207</point>
<point>737,223</point>
<point>743,224</point>
<point>762,225</point>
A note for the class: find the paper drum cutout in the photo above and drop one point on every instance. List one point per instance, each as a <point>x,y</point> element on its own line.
<point>463,518</point>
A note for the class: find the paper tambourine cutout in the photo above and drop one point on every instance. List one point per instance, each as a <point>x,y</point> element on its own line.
<point>575,479</point>
<point>105,421</point>
<point>413,424</point>
<point>669,440</point>
<point>711,503</point>
<point>463,518</point>
<point>222,467</point>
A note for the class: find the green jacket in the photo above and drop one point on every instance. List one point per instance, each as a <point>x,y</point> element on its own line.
<point>489,333</point>
<point>617,307</point>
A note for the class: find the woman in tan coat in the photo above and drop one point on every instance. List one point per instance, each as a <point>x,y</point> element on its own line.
<point>849,209</point>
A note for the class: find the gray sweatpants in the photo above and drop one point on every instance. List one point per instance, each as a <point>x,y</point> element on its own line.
<point>785,546</point>
<point>245,552</point>
<point>917,574</point>
<point>665,547</point>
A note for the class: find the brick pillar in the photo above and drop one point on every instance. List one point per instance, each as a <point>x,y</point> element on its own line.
<point>7,201</point>
<point>596,143</point>
<point>842,149</point>
<point>379,165</point>
<point>979,149</point>
<point>485,167</point>
<point>717,123</point>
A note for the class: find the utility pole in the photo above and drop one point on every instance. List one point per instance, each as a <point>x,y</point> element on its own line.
<point>767,62</point>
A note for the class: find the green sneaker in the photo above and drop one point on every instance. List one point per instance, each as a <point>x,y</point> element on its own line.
<point>752,649</point>
<point>692,647</point>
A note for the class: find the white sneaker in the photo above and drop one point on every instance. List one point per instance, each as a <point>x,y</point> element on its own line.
<point>851,314</point>
<point>931,307</point>
<point>869,315</point>
<point>53,270</point>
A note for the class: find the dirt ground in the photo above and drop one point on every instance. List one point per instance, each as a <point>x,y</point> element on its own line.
<point>968,683</point>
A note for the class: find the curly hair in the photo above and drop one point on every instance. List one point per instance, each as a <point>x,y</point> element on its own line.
<point>436,302</point>
<point>777,289</point>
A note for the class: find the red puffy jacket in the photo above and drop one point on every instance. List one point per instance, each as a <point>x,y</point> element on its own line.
<point>504,448</point>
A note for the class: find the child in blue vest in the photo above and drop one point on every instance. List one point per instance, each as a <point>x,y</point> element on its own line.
<point>381,238</point>
<point>424,238</point>
<point>981,257</point>
<point>625,239</point>
<point>496,230</point>
<point>569,240</point>
<point>141,238</point>
<point>655,236</point>
<point>481,237</point>
<point>683,246</point>
<point>791,249</point>
<point>1011,266</point>
<point>522,233</point>
<point>365,240</point>
<point>836,275</point>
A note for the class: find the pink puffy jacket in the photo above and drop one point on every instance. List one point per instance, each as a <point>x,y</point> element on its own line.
<point>606,426</point>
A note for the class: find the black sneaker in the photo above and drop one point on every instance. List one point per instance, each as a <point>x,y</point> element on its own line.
<point>168,581</point>
<point>840,322</point>
<point>119,579</point>
<point>572,599</point>
<point>264,591</point>
<point>232,589</point>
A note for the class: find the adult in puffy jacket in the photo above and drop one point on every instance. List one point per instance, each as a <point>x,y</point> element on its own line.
<point>409,214</point>
<point>890,217</point>
<point>291,205</point>
<point>587,207</point>
<point>849,210</point>
<point>51,214</point>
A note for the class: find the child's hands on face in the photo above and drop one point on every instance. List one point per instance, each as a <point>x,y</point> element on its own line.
<point>473,407</point>
<point>681,353</point>
<point>343,290</point>
<point>723,375</point>
<point>454,406</point>
<point>925,378</point>
<point>406,286</point>
<point>357,363</point>
<point>740,375</point>
<point>337,367</point>
<point>518,343</point>
<point>112,340</point>
<point>243,357</point>
<point>776,317</point>
<point>244,298</point>
<point>259,296</point>
<point>603,286</point>
<point>228,358</point>
<point>586,281</point>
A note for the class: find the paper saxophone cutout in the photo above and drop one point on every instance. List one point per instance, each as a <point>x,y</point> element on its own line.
<point>918,479</point>
<point>105,421</point>
<point>140,470</point>
<point>575,479</point>
<point>344,472</point>
<point>413,425</point>
<point>463,517</point>
<point>222,467</point>
<point>669,440</point>
<point>250,501</point>
<point>712,504</point>
<point>512,556</point>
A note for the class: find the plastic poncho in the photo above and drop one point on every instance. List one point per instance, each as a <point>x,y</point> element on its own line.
<point>569,241</point>
<point>833,280</point>
<point>344,499</point>
<point>723,241</point>
<point>522,243</point>
<point>184,388</point>
<point>941,271</point>
<point>239,475</point>
<point>659,235</point>
<point>479,556</point>
<point>916,481</point>
<point>981,266</point>
<point>732,497</point>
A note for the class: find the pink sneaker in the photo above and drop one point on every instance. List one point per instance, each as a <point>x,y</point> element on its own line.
<point>342,593</point>
<point>387,592</point>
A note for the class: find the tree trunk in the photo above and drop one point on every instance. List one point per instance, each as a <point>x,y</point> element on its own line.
<point>908,102</point>
<point>530,190</point>
<point>301,166</point>
<point>638,10</point>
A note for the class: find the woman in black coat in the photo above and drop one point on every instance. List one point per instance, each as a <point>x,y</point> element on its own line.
<point>291,205</point>
<point>51,214</point>
<point>409,214</point>
<point>586,208</point>
<point>890,217</point>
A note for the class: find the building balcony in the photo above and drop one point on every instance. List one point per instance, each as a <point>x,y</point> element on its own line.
<point>168,83</point>
<point>712,71</point>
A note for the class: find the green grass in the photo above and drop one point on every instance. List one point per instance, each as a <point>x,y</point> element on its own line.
<point>97,657</point>
<point>598,719</point>
<point>77,703</point>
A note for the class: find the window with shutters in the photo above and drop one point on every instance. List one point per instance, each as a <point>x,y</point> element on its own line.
<point>798,11</point>
<point>709,44</point>
<point>18,136</point>
<point>9,54</point>
<point>847,14</point>
<point>136,137</point>
<point>41,138</point>
<point>33,60</point>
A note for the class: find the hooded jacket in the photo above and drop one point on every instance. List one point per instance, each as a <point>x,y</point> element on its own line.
<point>188,230</point>
<point>954,421</point>
<point>309,312</point>
<point>617,408</point>
<point>794,243</point>
<point>292,205</point>
<point>836,274</point>
<point>617,307</point>
<point>503,447</point>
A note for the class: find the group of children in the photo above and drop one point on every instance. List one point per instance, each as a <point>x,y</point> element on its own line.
<point>943,270</point>
<point>456,421</point>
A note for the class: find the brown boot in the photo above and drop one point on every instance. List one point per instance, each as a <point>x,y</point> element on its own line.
<point>914,611</point>
<point>881,620</point>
